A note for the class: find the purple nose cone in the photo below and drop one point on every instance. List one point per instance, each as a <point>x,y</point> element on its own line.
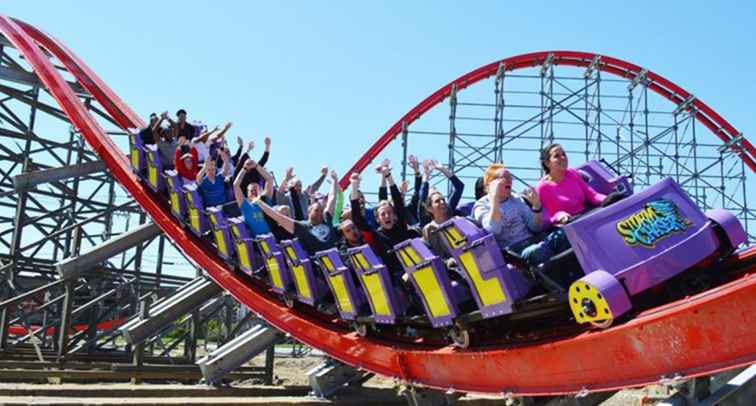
<point>732,228</point>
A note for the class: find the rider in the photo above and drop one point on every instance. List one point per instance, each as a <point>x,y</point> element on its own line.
<point>392,224</point>
<point>506,215</point>
<point>317,233</point>
<point>563,191</point>
<point>435,205</point>
<point>250,207</point>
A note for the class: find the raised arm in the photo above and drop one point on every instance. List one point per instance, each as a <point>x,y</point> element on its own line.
<point>357,217</point>
<point>296,206</point>
<point>382,189</point>
<point>238,194</point>
<point>226,169</point>
<point>200,175</point>
<point>163,116</point>
<point>331,204</point>
<point>458,187</point>
<point>424,189</point>
<point>205,135</point>
<point>316,185</point>
<point>222,133</point>
<point>489,214</point>
<point>266,153</point>
<point>285,182</point>
<point>268,190</point>
<point>286,222</point>
<point>244,156</point>
<point>415,200</point>
<point>396,196</point>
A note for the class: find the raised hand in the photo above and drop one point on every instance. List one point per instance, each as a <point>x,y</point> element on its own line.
<point>227,126</point>
<point>334,177</point>
<point>250,146</point>
<point>324,170</point>
<point>354,180</point>
<point>289,173</point>
<point>267,142</point>
<point>532,197</point>
<point>404,187</point>
<point>413,163</point>
<point>493,190</point>
<point>427,168</point>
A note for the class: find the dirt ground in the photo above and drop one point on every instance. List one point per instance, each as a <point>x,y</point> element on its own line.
<point>293,371</point>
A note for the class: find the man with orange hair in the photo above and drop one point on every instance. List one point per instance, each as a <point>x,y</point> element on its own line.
<point>504,214</point>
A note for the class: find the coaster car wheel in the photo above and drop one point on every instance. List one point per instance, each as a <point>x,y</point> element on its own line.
<point>360,328</point>
<point>460,337</point>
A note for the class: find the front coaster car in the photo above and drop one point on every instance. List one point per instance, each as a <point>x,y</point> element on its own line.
<point>598,298</point>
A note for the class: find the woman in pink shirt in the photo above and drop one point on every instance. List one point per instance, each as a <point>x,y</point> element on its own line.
<point>564,193</point>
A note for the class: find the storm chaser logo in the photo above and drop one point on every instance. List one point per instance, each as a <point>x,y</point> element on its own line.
<point>657,220</point>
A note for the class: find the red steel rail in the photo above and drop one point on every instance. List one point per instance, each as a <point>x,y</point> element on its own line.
<point>699,335</point>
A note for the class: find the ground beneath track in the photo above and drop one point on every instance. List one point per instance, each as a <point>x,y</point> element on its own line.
<point>290,389</point>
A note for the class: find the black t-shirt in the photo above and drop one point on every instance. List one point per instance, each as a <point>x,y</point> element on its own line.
<point>147,136</point>
<point>316,238</point>
<point>186,131</point>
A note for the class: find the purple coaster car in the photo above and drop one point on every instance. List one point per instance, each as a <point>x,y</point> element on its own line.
<point>136,151</point>
<point>176,194</point>
<point>639,243</point>
<point>310,288</point>
<point>226,247</point>
<point>494,284</point>
<point>154,168</point>
<point>386,303</point>
<point>249,260</point>
<point>603,180</point>
<point>431,280</point>
<point>350,299</point>
<point>198,223</point>
<point>275,264</point>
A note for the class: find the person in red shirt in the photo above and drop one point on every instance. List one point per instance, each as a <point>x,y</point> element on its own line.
<point>187,164</point>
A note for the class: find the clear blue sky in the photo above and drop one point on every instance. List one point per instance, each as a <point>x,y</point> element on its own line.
<point>321,77</point>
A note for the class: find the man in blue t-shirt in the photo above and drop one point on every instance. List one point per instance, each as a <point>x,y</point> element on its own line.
<point>250,209</point>
<point>213,187</point>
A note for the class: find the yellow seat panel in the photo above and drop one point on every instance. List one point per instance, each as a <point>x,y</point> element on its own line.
<point>342,295</point>
<point>377,295</point>
<point>430,288</point>
<point>303,287</point>
<point>275,272</point>
<point>489,290</point>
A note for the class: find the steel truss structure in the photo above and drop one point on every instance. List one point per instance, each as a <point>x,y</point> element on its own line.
<point>58,202</point>
<point>595,108</point>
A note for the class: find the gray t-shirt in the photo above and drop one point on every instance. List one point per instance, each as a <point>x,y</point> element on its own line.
<point>167,151</point>
<point>517,220</point>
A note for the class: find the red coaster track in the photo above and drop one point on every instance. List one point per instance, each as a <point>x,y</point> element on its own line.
<point>699,335</point>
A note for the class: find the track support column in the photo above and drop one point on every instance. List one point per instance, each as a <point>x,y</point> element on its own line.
<point>331,376</point>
